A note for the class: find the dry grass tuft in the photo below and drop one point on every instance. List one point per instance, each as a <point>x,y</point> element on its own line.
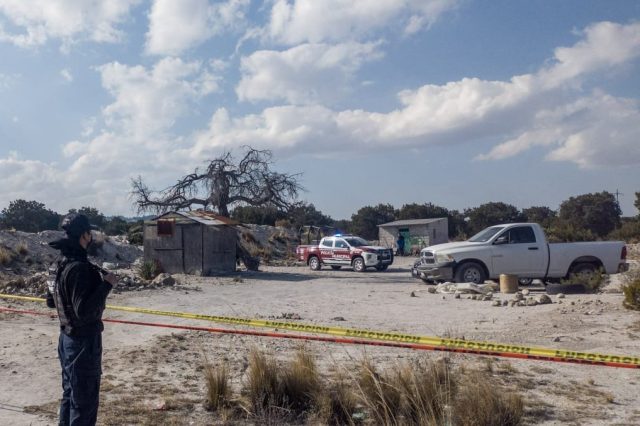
<point>218,386</point>
<point>279,393</point>
<point>426,388</point>
<point>481,402</point>
<point>379,394</point>
<point>301,383</point>
<point>262,386</point>
<point>338,404</point>
<point>22,248</point>
<point>6,256</point>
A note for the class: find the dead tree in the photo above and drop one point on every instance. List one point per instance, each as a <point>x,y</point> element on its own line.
<point>222,184</point>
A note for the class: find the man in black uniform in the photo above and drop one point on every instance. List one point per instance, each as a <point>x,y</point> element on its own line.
<point>79,296</point>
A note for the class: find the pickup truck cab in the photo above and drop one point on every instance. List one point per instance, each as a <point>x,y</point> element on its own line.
<point>345,250</point>
<point>520,249</point>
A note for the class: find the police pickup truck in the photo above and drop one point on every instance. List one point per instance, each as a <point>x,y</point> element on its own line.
<point>345,250</point>
<point>520,249</point>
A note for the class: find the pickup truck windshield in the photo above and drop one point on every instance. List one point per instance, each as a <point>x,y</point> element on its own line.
<point>486,234</point>
<point>356,242</point>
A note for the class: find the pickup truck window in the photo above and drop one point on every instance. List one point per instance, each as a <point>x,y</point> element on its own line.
<point>356,242</point>
<point>327,242</point>
<point>486,234</point>
<point>521,235</point>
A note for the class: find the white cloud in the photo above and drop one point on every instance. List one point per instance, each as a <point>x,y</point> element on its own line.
<point>149,101</point>
<point>546,108</point>
<point>135,139</point>
<point>607,135</point>
<point>66,75</point>
<point>313,21</point>
<point>27,179</point>
<point>598,130</point>
<point>308,73</point>
<point>574,128</point>
<point>68,20</point>
<point>175,26</point>
<point>606,44</point>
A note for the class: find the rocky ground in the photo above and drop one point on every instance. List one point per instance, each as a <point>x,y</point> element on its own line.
<point>155,375</point>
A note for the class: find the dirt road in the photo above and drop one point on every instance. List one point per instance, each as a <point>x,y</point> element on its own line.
<point>149,368</point>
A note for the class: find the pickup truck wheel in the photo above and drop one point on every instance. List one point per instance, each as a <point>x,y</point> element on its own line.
<point>314,263</point>
<point>470,272</point>
<point>525,281</point>
<point>358,264</point>
<point>583,270</point>
<point>335,267</point>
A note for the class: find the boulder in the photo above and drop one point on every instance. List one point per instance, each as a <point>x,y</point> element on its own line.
<point>164,279</point>
<point>543,299</point>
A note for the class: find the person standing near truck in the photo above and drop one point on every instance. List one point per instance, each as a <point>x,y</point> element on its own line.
<point>400,243</point>
<point>79,295</point>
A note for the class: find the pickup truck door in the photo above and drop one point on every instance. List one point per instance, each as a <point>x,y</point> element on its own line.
<point>516,251</point>
<point>326,251</point>
<point>341,252</point>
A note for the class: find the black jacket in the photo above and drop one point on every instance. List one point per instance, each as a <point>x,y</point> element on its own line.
<point>81,293</point>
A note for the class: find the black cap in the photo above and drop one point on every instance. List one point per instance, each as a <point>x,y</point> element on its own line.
<point>76,224</point>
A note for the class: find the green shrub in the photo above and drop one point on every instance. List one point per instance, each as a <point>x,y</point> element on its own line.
<point>591,281</point>
<point>631,291</point>
<point>629,232</point>
<point>563,231</point>
<point>148,270</point>
<point>135,235</point>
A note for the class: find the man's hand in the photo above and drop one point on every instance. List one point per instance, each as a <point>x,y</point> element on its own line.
<point>111,279</point>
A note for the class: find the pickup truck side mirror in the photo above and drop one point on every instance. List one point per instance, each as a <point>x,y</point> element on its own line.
<point>501,240</point>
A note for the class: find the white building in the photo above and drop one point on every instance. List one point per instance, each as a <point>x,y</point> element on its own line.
<point>418,233</point>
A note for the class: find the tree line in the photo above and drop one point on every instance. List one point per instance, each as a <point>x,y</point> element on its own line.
<point>581,218</point>
<point>584,217</point>
<point>34,216</point>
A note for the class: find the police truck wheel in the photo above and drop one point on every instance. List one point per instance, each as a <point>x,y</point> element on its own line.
<point>358,264</point>
<point>314,263</point>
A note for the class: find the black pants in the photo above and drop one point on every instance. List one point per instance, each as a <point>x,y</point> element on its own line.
<point>81,362</point>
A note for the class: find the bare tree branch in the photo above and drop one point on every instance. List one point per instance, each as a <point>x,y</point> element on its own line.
<point>223,184</point>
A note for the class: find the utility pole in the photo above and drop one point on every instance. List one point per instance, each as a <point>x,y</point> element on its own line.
<point>618,193</point>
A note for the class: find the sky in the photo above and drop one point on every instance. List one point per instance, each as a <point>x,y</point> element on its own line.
<point>453,102</point>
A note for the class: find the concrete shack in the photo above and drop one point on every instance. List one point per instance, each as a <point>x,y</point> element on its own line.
<point>418,233</point>
<point>194,242</point>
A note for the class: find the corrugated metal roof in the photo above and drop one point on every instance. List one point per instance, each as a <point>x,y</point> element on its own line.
<point>202,216</point>
<point>409,222</point>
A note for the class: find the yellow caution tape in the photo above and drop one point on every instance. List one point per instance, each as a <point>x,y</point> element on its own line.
<point>460,344</point>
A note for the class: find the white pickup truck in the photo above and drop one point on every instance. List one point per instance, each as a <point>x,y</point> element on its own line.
<point>520,249</point>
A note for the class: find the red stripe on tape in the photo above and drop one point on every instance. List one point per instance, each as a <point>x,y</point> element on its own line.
<point>347,341</point>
